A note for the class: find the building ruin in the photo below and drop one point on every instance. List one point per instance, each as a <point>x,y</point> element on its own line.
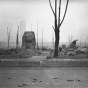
<point>28,40</point>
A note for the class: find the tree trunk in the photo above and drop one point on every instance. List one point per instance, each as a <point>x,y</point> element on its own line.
<point>8,43</point>
<point>56,43</point>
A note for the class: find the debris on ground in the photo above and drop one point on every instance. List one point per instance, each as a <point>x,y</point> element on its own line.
<point>72,51</point>
<point>17,53</point>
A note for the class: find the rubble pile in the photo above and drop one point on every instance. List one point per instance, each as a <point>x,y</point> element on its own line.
<point>8,51</point>
<point>27,53</point>
<point>74,50</point>
<point>17,53</point>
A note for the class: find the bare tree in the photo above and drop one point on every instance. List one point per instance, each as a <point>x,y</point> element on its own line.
<point>57,24</point>
<point>8,34</point>
<point>17,37</point>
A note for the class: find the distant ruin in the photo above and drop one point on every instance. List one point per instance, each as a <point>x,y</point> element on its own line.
<point>28,40</point>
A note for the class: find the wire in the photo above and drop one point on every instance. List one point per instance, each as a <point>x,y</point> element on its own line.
<point>24,19</point>
<point>41,21</point>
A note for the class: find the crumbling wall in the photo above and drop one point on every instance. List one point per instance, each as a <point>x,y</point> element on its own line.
<point>28,40</point>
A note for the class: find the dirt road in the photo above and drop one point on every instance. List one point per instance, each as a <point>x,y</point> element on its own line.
<point>29,77</point>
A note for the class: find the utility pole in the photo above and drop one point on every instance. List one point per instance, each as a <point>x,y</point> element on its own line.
<point>8,34</point>
<point>42,38</point>
<point>17,37</point>
<point>37,36</point>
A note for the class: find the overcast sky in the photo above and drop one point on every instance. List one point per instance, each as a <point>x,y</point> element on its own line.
<point>29,13</point>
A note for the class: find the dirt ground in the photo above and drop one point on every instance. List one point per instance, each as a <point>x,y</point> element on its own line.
<point>40,77</point>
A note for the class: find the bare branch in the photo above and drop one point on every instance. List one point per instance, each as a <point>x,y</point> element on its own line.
<point>10,28</point>
<point>55,14</point>
<point>18,31</point>
<point>17,25</point>
<point>7,31</point>
<point>53,28</point>
<point>64,13</point>
<point>51,7</point>
<point>59,13</point>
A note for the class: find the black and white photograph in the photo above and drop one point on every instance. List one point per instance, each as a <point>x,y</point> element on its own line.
<point>43,43</point>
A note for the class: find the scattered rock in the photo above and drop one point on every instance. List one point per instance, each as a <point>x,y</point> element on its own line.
<point>55,81</point>
<point>25,84</point>
<point>20,85</point>
<point>34,81</point>
<point>78,80</point>
<point>70,80</point>
<point>9,78</point>
<point>55,78</point>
